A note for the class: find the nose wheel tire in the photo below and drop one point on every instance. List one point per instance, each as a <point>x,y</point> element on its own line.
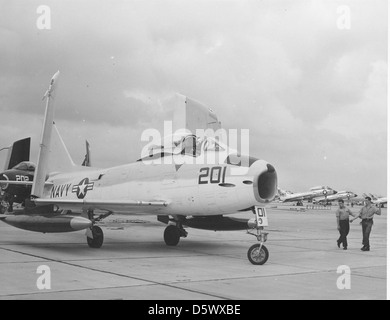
<point>258,256</point>
<point>171,235</point>
<point>98,238</point>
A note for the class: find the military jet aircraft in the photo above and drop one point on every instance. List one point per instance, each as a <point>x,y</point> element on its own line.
<point>378,201</point>
<point>20,171</point>
<point>334,197</point>
<point>169,184</point>
<point>308,195</point>
<point>281,194</point>
<point>17,168</point>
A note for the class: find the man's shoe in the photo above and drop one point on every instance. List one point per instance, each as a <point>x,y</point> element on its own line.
<point>338,243</point>
<point>345,248</point>
<point>365,249</point>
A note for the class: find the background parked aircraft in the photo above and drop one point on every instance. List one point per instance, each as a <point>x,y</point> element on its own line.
<point>377,200</point>
<point>308,195</point>
<point>347,195</point>
<point>20,171</point>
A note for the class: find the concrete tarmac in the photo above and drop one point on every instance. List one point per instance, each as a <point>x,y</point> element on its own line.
<point>135,263</point>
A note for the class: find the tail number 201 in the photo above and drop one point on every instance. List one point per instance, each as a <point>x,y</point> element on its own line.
<point>212,175</point>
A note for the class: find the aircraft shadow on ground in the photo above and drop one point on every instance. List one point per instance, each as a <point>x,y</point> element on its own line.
<point>150,248</point>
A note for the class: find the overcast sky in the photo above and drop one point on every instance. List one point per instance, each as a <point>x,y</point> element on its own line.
<point>312,94</point>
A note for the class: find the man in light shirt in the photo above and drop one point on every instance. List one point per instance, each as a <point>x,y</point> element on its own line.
<point>342,218</point>
<point>367,215</point>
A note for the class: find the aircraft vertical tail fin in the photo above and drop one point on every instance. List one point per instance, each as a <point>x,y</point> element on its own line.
<point>44,148</point>
<point>373,197</point>
<point>87,159</point>
<point>18,152</point>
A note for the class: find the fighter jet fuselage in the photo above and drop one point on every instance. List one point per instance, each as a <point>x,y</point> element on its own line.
<point>189,189</point>
<point>308,195</point>
<point>342,195</point>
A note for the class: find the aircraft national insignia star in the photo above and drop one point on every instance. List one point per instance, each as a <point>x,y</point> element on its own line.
<point>82,188</point>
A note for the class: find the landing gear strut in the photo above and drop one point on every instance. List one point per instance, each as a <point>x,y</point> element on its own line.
<point>172,234</point>
<point>95,236</point>
<point>7,203</point>
<point>258,253</point>
<point>3,207</point>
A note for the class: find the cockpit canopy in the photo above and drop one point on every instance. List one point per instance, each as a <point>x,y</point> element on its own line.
<point>184,144</point>
<point>25,166</point>
<point>187,144</point>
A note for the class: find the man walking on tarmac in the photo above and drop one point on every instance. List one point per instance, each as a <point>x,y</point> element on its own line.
<point>342,217</point>
<point>367,215</point>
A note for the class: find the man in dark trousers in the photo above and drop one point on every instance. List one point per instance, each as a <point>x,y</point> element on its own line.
<point>367,215</point>
<point>342,217</point>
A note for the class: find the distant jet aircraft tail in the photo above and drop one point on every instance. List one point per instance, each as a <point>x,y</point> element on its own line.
<point>87,159</point>
<point>18,152</point>
<point>373,197</point>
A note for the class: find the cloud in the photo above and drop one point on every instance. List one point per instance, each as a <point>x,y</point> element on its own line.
<point>367,117</point>
<point>307,90</point>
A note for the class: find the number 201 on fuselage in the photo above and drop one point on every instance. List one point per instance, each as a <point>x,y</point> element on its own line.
<point>212,175</point>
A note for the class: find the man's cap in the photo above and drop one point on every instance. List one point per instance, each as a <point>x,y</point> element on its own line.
<point>341,200</point>
<point>368,198</point>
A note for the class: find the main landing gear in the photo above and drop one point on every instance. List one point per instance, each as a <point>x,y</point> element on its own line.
<point>95,236</point>
<point>97,239</point>
<point>258,253</point>
<point>173,233</point>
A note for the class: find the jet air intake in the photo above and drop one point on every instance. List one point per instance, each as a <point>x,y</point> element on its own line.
<point>265,185</point>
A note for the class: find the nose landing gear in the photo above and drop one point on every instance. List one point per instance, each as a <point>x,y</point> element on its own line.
<point>258,253</point>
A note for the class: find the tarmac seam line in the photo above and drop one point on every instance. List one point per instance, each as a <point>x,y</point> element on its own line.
<point>116,274</point>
